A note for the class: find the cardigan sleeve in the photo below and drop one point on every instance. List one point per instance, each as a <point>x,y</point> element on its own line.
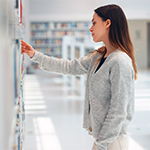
<point>56,65</point>
<point>122,84</point>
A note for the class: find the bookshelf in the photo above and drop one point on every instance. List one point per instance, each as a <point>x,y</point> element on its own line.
<point>12,112</point>
<point>71,49</point>
<point>46,37</point>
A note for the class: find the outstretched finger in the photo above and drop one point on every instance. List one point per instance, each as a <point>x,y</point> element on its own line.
<point>24,43</point>
<point>25,51</point>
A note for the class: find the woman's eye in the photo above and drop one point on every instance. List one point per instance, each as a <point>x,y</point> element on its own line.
<point>93,23</point>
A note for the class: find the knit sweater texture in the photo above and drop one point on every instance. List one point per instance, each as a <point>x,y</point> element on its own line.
<point>109,93</point>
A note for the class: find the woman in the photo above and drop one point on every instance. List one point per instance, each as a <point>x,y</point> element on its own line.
<point>111,71</point>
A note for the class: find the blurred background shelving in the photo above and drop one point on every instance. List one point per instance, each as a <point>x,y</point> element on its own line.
<point>46,37</point>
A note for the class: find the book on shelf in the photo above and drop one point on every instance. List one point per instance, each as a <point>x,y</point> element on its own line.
<point>39,26</point>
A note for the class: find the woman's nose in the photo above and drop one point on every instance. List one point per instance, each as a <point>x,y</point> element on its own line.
<point>90,29</point>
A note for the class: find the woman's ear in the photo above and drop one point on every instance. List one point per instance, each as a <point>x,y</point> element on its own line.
<point>108,23</point>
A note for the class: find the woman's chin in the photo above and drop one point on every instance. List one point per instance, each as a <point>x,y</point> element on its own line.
<point>96,41</point>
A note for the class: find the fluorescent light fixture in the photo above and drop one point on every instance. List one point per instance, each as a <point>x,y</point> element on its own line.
<point>39,112</point>
<point>30,102</point>
<point>34,97</point>
<point>33,107</point>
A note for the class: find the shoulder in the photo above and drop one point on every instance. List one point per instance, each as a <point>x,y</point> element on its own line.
<point>120,62</point>
<point>121,67</point>
<point>120,58</point>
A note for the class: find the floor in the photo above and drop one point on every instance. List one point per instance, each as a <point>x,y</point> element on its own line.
<point>54,114</point>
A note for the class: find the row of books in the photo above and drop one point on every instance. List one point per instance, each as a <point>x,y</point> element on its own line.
<point>19,72</point>
<point>48,34</point>
<point>55,51</point>
<point>46,41</point>
<point>60,25</point>
<point>39,25</point>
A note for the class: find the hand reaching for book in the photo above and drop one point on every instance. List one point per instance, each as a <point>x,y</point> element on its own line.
<point>28,49</point>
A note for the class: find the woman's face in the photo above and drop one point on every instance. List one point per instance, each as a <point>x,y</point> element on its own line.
<point>99,28</point>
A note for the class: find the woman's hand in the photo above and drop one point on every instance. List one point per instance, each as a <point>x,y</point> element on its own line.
<point>28,49</point>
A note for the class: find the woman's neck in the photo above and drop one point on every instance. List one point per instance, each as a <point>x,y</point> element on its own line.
<point>109,48</point>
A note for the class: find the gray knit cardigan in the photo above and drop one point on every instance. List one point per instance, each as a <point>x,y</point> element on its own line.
<point>109,94</point>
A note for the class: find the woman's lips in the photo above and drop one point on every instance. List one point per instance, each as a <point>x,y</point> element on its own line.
<point>92,34</point>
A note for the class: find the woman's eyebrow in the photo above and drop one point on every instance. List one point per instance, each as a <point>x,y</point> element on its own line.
<point>92,20</point>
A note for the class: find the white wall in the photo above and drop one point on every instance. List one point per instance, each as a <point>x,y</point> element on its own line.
<point>7,22</point>
<point>134,9</point>
<point>139,36</point>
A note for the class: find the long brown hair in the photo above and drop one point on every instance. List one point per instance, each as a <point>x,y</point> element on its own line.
<point>119,32</point>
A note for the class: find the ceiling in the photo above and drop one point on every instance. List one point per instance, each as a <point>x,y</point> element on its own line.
<point>134,9</point>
